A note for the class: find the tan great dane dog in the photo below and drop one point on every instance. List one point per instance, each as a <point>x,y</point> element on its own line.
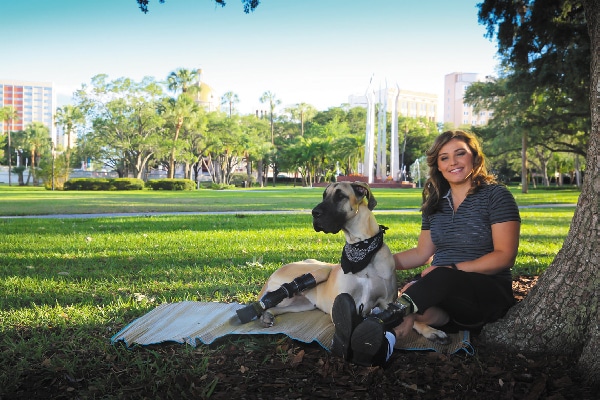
<point>346,207</point>
<point>366,272</point>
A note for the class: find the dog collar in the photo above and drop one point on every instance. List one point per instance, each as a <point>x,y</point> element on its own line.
<point>356,256</point>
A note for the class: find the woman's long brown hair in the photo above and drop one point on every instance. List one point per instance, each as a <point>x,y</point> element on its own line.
<point>436,185</point>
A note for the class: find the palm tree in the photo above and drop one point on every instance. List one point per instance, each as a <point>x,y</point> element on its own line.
<point>273,102</point>
<point>69,117</point>
<point>36,138</point>
<point>186,80</point>
<point>302,112</point>
<point>230,99</point>
<point>9,114</point>
<point>177,112</point>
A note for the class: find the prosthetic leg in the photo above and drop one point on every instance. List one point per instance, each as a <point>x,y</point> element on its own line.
<point>271,299</point>
<point>373,340</point>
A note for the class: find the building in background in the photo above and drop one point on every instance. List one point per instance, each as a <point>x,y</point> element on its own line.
<point>206,97</point>
<point>33,101</point>
<point>456,112</point>
<point>410,104</point>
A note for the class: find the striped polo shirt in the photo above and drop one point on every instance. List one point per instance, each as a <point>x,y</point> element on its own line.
<point>467,233</point>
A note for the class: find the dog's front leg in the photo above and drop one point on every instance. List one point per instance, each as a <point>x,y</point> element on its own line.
<point>298,303</point>
<point>435,335</point>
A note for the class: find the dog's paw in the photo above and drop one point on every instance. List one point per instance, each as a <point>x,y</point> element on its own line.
<point>437,336</point>
<point>267,319</point>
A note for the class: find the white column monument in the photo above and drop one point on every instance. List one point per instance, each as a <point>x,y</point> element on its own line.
<point>394,145</point>
<point>370,136</point>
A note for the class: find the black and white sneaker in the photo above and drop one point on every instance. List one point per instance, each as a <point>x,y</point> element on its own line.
<point>345,319</point>
<point>369,345</point>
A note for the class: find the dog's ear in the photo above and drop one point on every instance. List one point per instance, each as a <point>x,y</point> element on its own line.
<point>362,190</point>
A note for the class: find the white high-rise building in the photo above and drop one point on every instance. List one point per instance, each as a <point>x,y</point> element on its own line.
<point>456,111</point>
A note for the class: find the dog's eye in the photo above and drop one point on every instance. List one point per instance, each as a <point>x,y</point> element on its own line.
<point>340,195</point>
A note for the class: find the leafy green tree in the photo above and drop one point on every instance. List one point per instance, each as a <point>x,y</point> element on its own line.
<point>70,118</point>
<point>542,39</point>
<point>545,47</point>
<point>9,114</point>
<point>249,5</point>
<point>227,146</point>
<point>545,119</point>
<point>272,101</point>
<point>126,129</point>
<point>256,131</point>
<point>36,140</point>
<point>194,140</point>
<point>176,112</point>
<point>301,113</point>
<point>230,99</point>
<point>184,80</point>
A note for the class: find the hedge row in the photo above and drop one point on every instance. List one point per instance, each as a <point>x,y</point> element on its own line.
<point>104,184</point>
<point>128,184</point>
<point>171,184</point>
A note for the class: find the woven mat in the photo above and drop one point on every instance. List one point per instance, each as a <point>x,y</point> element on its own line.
<point>192,322</point>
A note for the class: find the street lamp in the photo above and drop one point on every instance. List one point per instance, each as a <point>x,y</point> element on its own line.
<point>9,160</point>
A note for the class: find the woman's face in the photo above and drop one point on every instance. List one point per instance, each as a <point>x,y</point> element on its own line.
<point>455,162</point>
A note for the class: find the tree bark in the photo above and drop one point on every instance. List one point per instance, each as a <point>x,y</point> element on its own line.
<point>561,314</point>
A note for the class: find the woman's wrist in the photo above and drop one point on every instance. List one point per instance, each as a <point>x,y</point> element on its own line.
<point>453,266</point>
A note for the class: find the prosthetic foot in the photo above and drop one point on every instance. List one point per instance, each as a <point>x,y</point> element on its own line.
<point>271,299</point>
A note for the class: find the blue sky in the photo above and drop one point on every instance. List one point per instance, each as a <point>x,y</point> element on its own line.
<point>313,51</point>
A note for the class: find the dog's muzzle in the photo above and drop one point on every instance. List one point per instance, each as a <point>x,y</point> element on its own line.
<point>326,220</point>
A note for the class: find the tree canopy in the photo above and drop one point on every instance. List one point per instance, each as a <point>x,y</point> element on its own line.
<point>550,89</point>
<point>249,5</point>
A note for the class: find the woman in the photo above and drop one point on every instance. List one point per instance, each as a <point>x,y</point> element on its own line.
<point>469,234</point>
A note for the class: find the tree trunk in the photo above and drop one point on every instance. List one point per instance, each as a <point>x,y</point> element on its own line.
<point>524,181</point>
<point>259,173</point>
<point>561,314</point>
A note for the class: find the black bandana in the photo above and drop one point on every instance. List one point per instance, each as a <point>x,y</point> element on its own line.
<point>356,256</point>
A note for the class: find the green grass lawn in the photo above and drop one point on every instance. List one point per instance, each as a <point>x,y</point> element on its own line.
<point>17,200</point>
<point>68,285</point>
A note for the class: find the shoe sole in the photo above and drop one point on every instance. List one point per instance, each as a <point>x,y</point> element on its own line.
<point>343,313</point>
<point>366,343</point>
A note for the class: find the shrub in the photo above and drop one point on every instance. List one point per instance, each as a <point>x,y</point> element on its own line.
<point>221,186</point>
<point>104,184</point>
<point>127,183</point>
<point>241,180</point>
<point>171,184</point>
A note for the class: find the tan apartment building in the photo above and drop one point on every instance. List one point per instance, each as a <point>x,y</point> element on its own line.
<point>456,111</point>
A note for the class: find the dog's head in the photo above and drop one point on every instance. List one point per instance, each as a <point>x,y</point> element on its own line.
<point>341,202</point>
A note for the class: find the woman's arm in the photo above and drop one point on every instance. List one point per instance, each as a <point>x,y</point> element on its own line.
<point>417,256</point>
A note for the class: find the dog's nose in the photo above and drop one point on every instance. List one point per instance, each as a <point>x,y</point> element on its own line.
<point>316,213</point>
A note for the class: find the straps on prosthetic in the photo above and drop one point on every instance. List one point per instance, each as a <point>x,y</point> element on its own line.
<point>271,299</point>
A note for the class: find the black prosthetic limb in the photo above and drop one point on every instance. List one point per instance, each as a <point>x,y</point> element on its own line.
<point>271,299</point>
<point>393,316</point>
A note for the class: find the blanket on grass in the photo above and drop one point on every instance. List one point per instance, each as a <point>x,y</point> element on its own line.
<point>192,322</point>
